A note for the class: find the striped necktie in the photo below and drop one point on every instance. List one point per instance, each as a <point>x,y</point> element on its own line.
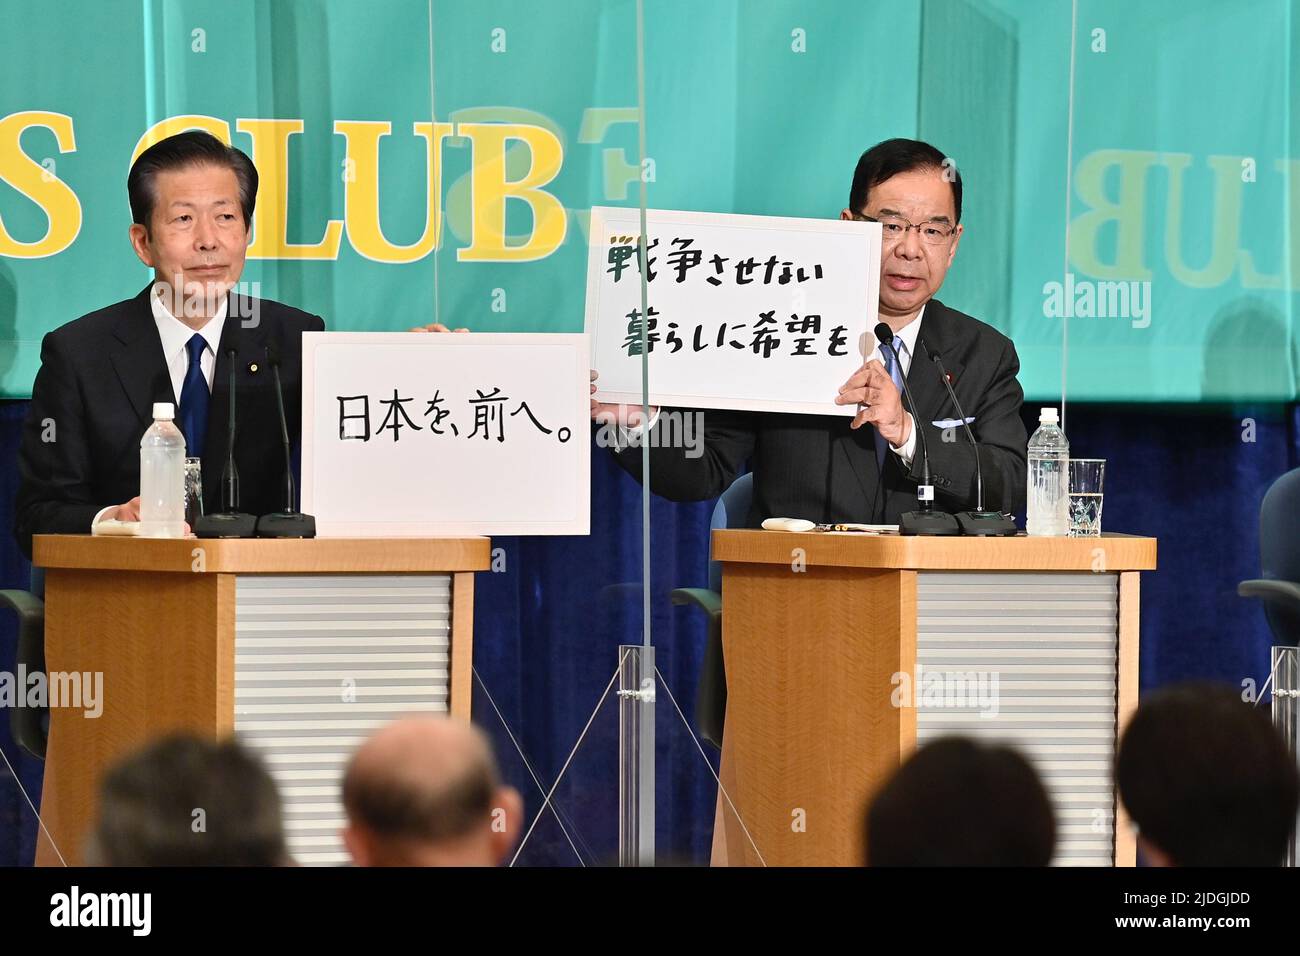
<point>895,373</point>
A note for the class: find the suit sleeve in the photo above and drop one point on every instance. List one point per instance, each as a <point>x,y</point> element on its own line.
<point>54,491</point>
<point>1002,439</point>
<point>687,462</point>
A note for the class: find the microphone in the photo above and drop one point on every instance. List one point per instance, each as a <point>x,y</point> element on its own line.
<point>925,520</point>
<point>230,522</point>
<point>979,522</point>
<point>289,523</point>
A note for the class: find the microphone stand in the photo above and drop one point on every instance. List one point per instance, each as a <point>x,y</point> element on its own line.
<point>289,523</point>
<point>230,522</point>
<point>981,523</point>
<point>924,520</point>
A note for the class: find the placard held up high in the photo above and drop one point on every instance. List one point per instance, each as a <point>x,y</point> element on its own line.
<point>755,313</point>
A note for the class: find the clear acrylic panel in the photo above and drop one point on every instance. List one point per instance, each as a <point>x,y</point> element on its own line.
<point>767,113</point>
<point>541,118</point>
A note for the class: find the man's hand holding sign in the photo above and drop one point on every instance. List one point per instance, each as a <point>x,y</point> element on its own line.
<point>879,403</point>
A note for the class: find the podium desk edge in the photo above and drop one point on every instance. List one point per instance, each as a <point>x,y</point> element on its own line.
<point>1105,554</point>
<point>263,555</point>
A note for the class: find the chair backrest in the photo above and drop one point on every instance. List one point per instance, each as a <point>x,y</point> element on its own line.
<point>38,582</point>
<point>731,511</point>
<point>1279,546</point>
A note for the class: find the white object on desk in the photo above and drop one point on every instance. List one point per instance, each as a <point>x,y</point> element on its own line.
<point>112,526</point>
<point>787,524</point>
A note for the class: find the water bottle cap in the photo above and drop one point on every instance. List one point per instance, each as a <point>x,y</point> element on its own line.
<point>1047,416</point>
<point>163,411</point>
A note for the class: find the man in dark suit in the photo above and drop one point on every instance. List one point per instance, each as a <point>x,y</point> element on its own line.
<point>831,469</point>
<point>192,200</point>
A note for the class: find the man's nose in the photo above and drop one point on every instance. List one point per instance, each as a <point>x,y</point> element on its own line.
<point>909,247</point>
<point>205,237</point>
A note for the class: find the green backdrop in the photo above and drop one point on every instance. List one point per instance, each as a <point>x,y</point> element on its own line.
<point>1173,121</point>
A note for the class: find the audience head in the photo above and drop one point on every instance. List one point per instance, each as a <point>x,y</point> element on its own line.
<point>185,801</point>
<point>1207,780</point>
<point>958,802</point>
<point>424,791</point>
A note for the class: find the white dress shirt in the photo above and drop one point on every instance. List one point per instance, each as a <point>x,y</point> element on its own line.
<point>175,336</point>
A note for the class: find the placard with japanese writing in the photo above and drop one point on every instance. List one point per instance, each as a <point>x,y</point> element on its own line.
<point>413,433</point>
<point>761,313</point>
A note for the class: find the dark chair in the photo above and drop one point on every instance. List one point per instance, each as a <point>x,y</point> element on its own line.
<point>1279,559</point>
<point>731,511</point>
<point>29,725</point>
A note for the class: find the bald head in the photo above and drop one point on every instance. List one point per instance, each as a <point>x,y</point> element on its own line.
<point>424,790</point>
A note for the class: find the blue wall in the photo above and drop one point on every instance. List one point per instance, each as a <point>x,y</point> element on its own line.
<point>548,626</point>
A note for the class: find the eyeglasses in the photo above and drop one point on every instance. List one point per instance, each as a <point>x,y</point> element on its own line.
<point>894,228</point>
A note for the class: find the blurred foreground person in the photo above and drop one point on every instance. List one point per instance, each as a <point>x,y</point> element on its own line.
<point>184,801</point>
<point>425,791</point>
<point>957,802</point>
<point>1207,780</point>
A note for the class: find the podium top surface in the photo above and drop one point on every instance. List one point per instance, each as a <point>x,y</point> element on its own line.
<point>263,555</point>
<point>1110,552</point>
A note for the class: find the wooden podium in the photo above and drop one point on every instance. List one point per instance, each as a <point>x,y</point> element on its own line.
<point>1029,641</point>
<point>301,647</point>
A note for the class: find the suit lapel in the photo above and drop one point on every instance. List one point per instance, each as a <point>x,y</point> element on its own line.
<point>138,359</point>
<point>923,375</point>
<point>859,449</point>
<point>932,403</point>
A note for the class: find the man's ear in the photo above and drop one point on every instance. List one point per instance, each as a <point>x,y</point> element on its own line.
<point>845,215</point>
<point>357,845</point>
<point>139,236</point>
<point>507,824</point>
<point>956,239</point>
<point>1153,854</point>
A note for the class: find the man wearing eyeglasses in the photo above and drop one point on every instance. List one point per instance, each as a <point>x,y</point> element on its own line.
<point>832,469</point>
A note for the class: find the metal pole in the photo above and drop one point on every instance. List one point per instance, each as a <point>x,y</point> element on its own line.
<point>1286,702</point>
<point>636,755</point>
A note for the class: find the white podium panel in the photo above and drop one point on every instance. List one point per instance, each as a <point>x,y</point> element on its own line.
<point>1029,660</point>
<point>323,661</point>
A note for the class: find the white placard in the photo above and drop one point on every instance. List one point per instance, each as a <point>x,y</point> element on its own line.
<point>773,314</point>
<point>417,433</point>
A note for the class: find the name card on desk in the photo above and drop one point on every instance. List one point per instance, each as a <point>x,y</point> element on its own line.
<point>754,313</point>
<point>425,434</point>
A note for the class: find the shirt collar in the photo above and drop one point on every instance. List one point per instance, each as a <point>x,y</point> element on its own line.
<point>175,334</point>
<point>908,335</point>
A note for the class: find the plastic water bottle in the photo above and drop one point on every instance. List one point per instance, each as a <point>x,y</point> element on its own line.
<point>162,477</point>
<point>1048,494</point>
